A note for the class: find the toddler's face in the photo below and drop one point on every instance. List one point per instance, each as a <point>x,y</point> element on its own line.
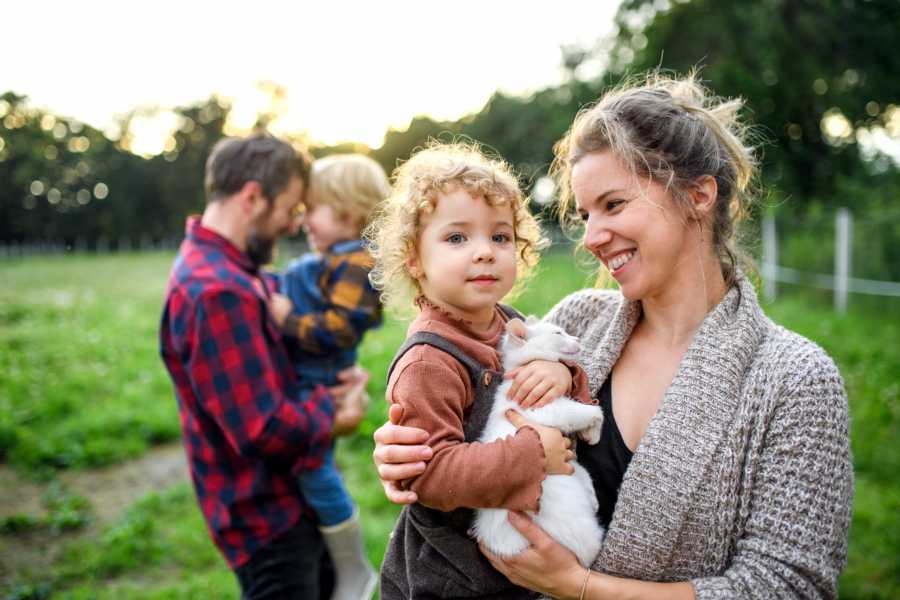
<point>324,228</point>
<point>466,259</point>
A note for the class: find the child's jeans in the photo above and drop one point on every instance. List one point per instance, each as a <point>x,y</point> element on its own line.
<point>324,490</point>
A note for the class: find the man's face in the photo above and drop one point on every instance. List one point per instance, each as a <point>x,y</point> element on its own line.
<point>276,221</point>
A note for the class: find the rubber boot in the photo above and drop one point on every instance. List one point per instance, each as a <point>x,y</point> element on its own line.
<point>355,579</point>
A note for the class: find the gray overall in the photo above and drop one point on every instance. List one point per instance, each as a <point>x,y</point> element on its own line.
<point>430,553</point>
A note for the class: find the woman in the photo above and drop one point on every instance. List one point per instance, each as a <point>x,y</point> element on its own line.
<point>726,438</point>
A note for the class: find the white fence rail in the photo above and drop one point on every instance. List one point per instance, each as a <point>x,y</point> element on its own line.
<point>841,281</point>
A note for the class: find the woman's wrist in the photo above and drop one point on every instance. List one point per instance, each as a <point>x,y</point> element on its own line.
<point>584,584</point>
<point>574,583</point>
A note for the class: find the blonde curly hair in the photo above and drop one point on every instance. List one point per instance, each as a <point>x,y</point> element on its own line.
<point>440,168</point>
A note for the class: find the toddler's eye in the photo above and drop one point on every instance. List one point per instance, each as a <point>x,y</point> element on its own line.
<point>502,238</point>
<point>456,238</point>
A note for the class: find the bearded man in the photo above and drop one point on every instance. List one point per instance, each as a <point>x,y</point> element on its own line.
<point>246,433</point>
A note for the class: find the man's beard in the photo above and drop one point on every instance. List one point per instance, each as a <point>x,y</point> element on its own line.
<point>260,250</point>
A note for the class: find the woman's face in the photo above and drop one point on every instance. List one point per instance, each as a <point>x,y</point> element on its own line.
<point>633,226</point>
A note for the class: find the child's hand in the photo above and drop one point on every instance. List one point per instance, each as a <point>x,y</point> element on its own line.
<point>538,383</point>
<point>557,447</point>
<point>280,306</point>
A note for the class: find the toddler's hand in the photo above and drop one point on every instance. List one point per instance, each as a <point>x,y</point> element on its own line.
<point>557,447</point>
<point>280,306</point>
<point>538,383</point>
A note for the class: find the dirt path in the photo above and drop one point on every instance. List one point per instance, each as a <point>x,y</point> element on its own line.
<point>109,490</point>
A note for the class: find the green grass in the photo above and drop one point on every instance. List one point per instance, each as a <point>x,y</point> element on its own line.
<point>83,386</point>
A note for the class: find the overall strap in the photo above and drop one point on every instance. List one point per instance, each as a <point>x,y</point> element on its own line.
<point>510,312</point>
<point>441,343</point>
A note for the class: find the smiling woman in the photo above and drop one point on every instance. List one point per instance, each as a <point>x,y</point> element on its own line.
<point>724,468</point>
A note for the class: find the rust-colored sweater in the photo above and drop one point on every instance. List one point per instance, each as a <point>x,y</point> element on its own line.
<point>436,392</point>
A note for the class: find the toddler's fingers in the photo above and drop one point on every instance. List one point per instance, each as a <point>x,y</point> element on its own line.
<point>511,374</point>
<point>517,419</point>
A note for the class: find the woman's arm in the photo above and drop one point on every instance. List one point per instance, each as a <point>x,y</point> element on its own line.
<point>400,453</point>
<point>551,569</point>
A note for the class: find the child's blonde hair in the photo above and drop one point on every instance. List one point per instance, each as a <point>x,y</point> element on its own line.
<point>441,168</point>
<point>351,184</point>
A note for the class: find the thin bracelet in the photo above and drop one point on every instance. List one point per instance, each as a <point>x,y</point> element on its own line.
<point>584,584</point>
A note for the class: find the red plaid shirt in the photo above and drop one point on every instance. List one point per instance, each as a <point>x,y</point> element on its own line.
<point>246,434</point>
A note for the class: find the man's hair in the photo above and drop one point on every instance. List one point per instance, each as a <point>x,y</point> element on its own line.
<point>262,158</point>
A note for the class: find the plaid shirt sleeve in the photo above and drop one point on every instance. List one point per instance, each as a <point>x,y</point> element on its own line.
<point>233,372</point>
<point>353,308</point>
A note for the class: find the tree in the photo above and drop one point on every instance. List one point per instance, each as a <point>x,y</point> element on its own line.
<point>812,73</point>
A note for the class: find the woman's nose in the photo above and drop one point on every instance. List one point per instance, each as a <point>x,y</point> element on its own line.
<point>596,234</point>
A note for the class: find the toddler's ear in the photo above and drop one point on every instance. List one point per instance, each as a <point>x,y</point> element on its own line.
<point>516,328</point>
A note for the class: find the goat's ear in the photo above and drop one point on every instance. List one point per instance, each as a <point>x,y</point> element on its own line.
<point>516,329</point>
<point>531,320</point>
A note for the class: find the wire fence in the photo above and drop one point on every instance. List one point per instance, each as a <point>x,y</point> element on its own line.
<point>826,251</point>
<point>852,248</point>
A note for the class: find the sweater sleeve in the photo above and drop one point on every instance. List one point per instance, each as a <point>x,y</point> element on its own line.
<point>505,473</point>
<point>794,543</point>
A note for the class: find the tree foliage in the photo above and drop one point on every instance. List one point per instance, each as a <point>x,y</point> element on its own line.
<point>818,78</point>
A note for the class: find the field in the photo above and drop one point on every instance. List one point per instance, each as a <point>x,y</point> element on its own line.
<point>84,399</point>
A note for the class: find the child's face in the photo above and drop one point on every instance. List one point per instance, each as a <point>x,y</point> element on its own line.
<point>324,228</point>
<point>466,259</point>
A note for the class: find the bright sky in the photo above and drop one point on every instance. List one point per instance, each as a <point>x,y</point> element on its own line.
<point>350,69</point>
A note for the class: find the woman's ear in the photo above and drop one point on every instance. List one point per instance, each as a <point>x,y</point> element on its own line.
<point>703,193</point>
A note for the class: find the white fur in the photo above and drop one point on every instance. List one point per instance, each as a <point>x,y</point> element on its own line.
<point>568,506</point>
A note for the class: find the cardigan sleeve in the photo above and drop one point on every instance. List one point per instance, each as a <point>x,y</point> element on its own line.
<point>794,541</point>
<point>579,310</point>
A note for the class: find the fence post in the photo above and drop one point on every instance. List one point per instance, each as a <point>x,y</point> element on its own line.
<point>843,226</point>
<point>770,258</point>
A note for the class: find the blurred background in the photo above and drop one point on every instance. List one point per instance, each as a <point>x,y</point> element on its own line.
<point>107,114</point>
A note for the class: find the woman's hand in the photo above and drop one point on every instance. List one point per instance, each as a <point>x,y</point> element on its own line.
<point>538,383</point>
<point>545,566</point>
<point>399,454</point>
<point>557,447</point>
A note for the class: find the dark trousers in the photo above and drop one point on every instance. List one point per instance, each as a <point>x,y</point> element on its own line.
<point>293,565</point>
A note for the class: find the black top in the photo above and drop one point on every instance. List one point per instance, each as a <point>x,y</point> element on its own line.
<point>607,460</point>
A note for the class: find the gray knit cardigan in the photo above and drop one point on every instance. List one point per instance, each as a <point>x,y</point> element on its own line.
<point>743,480</point>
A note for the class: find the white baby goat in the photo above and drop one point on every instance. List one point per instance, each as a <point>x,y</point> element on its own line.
<point>568,507</point>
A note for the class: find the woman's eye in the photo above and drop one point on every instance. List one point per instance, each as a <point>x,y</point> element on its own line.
<point>614,204</point>
<point>456,238</point>
<point>583,215</point>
